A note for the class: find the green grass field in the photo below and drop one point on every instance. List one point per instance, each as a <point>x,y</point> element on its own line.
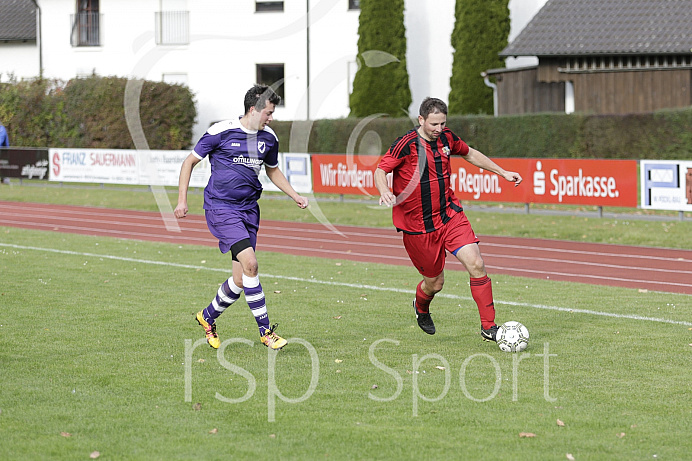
<point>99,352</point>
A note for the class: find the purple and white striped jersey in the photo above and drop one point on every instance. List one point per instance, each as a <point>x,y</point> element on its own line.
<point>236,156</point>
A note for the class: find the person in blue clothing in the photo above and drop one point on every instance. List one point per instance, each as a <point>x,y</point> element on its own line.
<point>4,142</point>
<point>236,150</point>
<point>4,139</point>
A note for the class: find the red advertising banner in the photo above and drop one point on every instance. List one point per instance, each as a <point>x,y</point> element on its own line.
<point>558,181</point>
<point>344,174</point>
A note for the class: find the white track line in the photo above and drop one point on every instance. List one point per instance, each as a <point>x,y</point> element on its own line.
<point>353,285</point>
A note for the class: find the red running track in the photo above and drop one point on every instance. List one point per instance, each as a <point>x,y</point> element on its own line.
<point>656,269</point>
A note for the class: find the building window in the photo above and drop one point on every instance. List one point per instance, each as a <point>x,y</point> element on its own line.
<point>86,24</point>
<point>353,4</point>
<point>172,27</point>
<point>263,6</point>
<point>272,75</point>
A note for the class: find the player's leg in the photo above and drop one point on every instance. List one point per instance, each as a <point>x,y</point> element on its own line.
<point>227,294</point>
<point>481,288</point>
<point>427,254</point>
<point>227,226</point>
<point>254,294</point>
<point>463,243</point>
<point>426,291</point>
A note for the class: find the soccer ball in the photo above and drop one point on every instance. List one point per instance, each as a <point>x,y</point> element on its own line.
<point>512,337</point>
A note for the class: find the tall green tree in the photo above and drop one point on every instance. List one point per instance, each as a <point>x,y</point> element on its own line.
<point>480,32</point>
<point>381,82</point>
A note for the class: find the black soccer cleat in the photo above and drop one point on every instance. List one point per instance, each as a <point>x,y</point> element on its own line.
<point>490,334</point>
<point>425,322</point>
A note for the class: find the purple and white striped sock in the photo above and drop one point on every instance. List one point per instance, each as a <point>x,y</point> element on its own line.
<point>228,294</point>
<point>255,299</point>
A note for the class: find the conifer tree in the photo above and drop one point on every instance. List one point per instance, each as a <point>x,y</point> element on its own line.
<point>381,82</point>
<point>480,32</point>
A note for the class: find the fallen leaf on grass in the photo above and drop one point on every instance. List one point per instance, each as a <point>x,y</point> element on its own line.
<point>94,454</point>
<point>66,434</point>
<point>201,360</point>
<point>197,406</point>
<point>214,431</point>
<point>272,436</point>
<point>338,361</point>
<point>560,423</point>
<point>620,435</point>
<point>527,434</point>
<point>570,457</point>
<point>337,317</point>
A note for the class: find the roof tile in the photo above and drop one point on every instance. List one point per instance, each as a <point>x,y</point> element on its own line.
<point>606,27</point>
<point>17,20</point>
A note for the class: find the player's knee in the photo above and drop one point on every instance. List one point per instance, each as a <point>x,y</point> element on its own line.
<point>477,268</point>
<point>250,267</point>
<point>435,285</point>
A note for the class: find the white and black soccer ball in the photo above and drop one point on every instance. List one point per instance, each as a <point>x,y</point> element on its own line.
<point>512,337</point>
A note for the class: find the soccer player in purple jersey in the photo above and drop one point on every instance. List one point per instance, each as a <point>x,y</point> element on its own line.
<point>237,149</point>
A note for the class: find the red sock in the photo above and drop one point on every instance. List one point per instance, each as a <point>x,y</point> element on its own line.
<point>422,300</point>
<point>482,292</point>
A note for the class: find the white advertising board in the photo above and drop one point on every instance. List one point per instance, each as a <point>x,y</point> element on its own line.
<point>157,168</point>
<point>298,170</point>
<point>666,184</point>
<point>121,166</point>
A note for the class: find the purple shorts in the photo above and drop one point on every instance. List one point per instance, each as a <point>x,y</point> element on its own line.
<point>232,226</point>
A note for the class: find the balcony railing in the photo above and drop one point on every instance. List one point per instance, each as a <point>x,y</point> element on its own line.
<point>173,28</point>
<point>86,30</point>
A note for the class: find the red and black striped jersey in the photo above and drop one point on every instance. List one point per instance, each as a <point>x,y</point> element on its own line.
<point>421,180</point>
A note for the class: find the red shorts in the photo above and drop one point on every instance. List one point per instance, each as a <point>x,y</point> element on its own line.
<point>428,251</point>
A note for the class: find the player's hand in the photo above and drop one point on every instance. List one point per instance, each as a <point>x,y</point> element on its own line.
<point>180,211</point>
<point>513,177</point>
<point>388,199</point>
<point>302,202</point>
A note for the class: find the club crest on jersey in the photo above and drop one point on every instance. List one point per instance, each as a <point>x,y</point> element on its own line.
<point>445,151</point>
<point>261,146</point>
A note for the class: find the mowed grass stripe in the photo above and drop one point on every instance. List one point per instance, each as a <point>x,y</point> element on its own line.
<point>353,285</point>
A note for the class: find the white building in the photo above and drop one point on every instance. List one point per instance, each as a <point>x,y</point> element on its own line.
<point>219,48</point>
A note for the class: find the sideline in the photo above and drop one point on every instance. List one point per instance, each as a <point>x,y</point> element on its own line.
<point>353,285</point>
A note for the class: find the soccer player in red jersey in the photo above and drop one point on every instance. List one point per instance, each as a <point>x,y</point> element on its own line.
<point>430,216</point>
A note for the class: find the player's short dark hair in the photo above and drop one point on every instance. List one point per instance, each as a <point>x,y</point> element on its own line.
<point>258,95</point>
<point>432,106</point>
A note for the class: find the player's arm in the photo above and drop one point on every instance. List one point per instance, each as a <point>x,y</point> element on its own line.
<point>386,196</point>
<point>478,159</point>
<point>183,184</point>
<point>280,181</point>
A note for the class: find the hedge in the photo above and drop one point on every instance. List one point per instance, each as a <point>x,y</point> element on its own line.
<point>481,31</point>
<point>381,83</point>
<point>665,134</point>
<point>89,113</point>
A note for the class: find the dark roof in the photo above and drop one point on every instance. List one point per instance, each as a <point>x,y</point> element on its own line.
<point>606,27</point>
<point>17,20</point>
